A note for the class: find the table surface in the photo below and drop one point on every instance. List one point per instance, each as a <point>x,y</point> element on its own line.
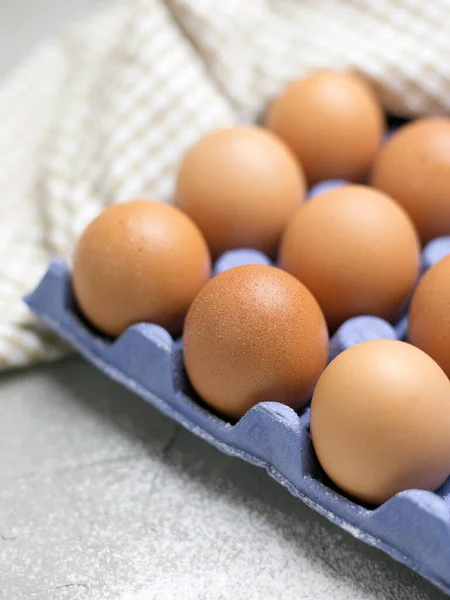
<point>103,498</point>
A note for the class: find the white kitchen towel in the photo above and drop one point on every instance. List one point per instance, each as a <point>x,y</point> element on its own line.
<point>103,114</point>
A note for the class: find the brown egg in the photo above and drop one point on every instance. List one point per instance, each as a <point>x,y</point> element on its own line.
<point>140,261</point>
<point>357,252</point>
<point>332,121</point>
<point>414,168</point>
<point>240,186</point>
<point>254,334</point>
<point>429,314</point>
<point>380,421</point>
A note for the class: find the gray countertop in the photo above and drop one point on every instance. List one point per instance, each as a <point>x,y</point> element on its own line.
<point>103,498</point>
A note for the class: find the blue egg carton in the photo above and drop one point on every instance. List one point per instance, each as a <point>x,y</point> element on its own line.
<point>413,527</point>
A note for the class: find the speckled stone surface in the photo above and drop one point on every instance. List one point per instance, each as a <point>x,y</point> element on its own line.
<point>103,498</point>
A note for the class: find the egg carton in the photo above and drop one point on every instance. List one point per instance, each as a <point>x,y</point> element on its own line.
<point>413,527</point>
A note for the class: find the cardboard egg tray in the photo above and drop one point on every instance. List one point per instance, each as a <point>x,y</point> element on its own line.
<point>413,527</point>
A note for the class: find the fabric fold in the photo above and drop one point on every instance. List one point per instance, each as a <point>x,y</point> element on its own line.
<point>104,113</point>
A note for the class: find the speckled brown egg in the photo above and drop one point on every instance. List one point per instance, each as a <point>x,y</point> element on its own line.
<point>139,261</point>
<point>240,186</point>
<point>414,168</point>
<point>254,333</point>
<point>380,420</point>
<point>333,123</point>
<point>429,314</point>
<point>356,250</point>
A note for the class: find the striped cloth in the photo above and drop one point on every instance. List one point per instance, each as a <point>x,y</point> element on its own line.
<point>104,113</point>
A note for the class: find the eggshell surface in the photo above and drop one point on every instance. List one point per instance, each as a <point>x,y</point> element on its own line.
<point>356,250</point>
<point>240,186</point>
<point>253,334</point>
<point>333,123</point>
<point>429,314</point>
<point>380,421</point>
<point>414,168</point>
<point>139,261</point>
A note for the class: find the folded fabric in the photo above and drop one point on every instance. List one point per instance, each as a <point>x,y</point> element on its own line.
<point>103,114</point>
